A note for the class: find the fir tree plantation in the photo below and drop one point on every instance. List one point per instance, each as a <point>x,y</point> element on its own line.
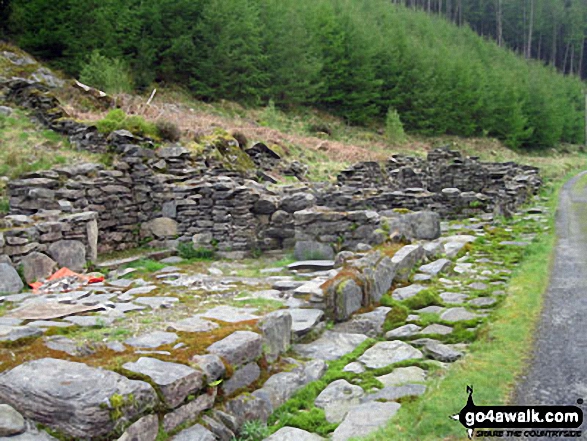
<point>358,59</point>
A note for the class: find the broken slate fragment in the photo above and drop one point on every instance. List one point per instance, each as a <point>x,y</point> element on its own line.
<point>152,340</point>
<point>175,381</point>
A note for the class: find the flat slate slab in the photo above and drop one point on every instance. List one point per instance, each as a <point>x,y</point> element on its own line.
<point>403,331</point>
<point>331,346</point>
<point>303,320</point>
<point>311,265</point>
<point>436,328</point>
<point>238,348</point>
<point>338,398</point>
<point>175,381</point>
<point>399,376</point>
<point>192,324</point>
<point>407,292</point>
<point>436,267</point>
<point>385,353</point>
<point>70,396</point>
<point>49,311</point>
<point>453,297</point>
<point>441,352</point>
<point>14,333</point>
<point>393,393</point>
<point>194,433</point>
<point>157,302</point>
<point>152,340</point>
<point>457,315</point>
<point>293,434</point>
<point>230,314</point>
<point>482,301</point>
<point>365,419</point>
<point>141,290</point>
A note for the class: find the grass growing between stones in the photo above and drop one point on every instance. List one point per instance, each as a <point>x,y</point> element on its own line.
<point>495,360</point>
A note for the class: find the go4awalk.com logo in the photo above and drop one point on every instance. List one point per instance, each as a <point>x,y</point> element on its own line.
<point>554,422</point>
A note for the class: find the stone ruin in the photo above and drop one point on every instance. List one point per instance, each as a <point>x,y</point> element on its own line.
<point>171,195</point>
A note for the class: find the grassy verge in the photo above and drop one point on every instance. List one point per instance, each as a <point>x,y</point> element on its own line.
<point>496,359</point>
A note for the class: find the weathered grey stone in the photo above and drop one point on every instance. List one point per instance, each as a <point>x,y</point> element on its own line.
<point>338,398</point>
<point>175,381</point>
<point>403,331</point>
<point>453,297</point>
<point>152,339</point>
<point>230,314</point>
<point>433,249</point>
<point>293,434</point>
<point>365,419</point>
<point>48,324</point>
<point>37,266</point>
<point>369,323</point>
<point>478,286</point>
<point>11,422</point>
<point>314,370</point>
<point>457,315</point>
<point>482,301</point>
<point>211,366</point>
<point>141,290</point>
<point>220,431</point>
<point>238,348</point>
<point>346,298</point>
<point>242,377</point>
<point>405,259</point>
<point>64,344</point>
<point>312,250</point>
<point>69,254</point>
<point>392,393</point>
<point>157,302</point>
<point>145,429</point>
<point>312,287</point>
<point>410,374</point>
<point>436,267</point>
<point>160,228</point>
<point>192,324</point>
<point>354,367</point>
<point>116,346</point>
<point>286,285</point>
<point>303,319</point>
<point>381,276</point>
<point>407,292</point>
<point>297,202</point>
<point>194,433</point>
<point>188,412</point>
<point>388,352</point>
<point>10,282</point>
<point>433,309</point>
<point>246,407</point>
<point>331,346</point>
<point>435,328</point>
<point>71,397</point>
<point>276,328</point>
<point>14,333</point>
<point>441,352</point>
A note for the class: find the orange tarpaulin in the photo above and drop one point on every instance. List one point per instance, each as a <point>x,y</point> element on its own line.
<point>66,272</point>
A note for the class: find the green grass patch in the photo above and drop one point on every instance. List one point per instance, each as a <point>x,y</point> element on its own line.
<point>146,265</point>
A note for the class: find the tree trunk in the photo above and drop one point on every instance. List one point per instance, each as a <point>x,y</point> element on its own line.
<point>498,20</point>
<point>530,29</point>
<point>564,67</point>
<point>581,57</point>
<point>553,51</point>
<point>429,6</point>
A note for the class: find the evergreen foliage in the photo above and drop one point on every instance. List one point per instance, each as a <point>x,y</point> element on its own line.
<point>353,58</point>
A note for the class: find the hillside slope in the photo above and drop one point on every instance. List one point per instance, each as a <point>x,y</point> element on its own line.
<point>355,59</point>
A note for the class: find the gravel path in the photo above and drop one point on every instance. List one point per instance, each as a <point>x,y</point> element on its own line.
<point>558,372</point>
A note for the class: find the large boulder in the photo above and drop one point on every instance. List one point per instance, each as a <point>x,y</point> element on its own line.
<point>276,328</point>
<point>10,282</point>
<point>312,250</point>
<point>69,254</point>
<point>297,202</point>
<point>343,298</point>
<point>175,381</point>
<point>405,259</point>
<point>420,225</point>
<point>160,228</point>
<point>37,266</point>
<point>238,348</point>
<point>78,400</point>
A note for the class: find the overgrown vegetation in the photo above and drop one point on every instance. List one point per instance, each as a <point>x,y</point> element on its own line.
<point>25,147</point>
<point>118,120</point>
<point>353,59</point>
